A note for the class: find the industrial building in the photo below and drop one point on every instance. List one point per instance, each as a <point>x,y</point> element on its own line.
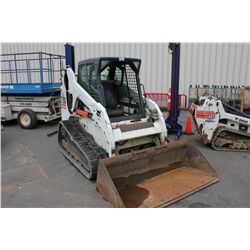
<point>200,63</point>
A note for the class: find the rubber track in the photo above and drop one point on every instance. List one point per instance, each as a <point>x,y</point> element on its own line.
<point>86,145</point>
<point>219,130</point>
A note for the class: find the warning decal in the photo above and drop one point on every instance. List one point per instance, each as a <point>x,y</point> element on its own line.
<point>209,115</point>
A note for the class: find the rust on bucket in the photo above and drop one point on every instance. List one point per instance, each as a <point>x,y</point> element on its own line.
<point>154,177</point>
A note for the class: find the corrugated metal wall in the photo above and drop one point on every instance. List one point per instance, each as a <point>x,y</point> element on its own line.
<point>201,63</point>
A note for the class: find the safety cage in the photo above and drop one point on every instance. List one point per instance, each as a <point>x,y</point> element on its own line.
<point>115,83</point>
<point>31,73</point>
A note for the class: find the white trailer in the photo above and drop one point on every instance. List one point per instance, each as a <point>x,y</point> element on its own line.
<point>29,109</point>
<point>30,87</point>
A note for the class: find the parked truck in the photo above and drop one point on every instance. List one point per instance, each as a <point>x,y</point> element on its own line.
<point>30,87</point>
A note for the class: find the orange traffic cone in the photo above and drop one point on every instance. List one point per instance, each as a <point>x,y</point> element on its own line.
<point>188,129</point>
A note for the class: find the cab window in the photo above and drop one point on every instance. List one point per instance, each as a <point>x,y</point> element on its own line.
<point>83,77</point>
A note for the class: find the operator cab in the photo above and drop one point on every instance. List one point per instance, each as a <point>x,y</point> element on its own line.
<point>114,82</point>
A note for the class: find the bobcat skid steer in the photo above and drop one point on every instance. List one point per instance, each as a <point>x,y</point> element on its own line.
<point>109,130</point>
<point>221,125</point>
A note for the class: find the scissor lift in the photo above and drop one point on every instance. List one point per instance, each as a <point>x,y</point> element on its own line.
<point>30,87</point>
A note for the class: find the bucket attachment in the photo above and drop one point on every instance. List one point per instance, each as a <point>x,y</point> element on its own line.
<point>154,177</point>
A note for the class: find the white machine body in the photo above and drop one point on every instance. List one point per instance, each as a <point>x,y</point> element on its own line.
<point>107,134</point>
<point>212,114</point>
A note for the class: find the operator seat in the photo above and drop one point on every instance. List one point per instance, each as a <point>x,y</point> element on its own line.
<point>111,99</point>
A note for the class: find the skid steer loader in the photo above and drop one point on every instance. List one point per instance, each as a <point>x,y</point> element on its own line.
<point>221,125</point>
<point>110,130</point>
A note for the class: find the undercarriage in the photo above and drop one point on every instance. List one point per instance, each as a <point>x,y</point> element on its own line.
<point>230,140</point>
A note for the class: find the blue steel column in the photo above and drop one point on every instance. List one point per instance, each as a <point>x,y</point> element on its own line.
<point>16,70</point>
<point>174,112</point>
<point>41,67</point>
<point>28,71</point>
<point>70,56</point>
<point>10,71</point>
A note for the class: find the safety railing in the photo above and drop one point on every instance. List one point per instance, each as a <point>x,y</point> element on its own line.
<point>164,99</point>
<point>21,71</point>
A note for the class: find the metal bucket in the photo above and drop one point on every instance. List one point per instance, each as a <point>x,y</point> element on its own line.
<point>154,177</point>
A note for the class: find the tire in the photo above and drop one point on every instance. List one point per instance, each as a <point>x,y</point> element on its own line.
<point>27,119</point>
